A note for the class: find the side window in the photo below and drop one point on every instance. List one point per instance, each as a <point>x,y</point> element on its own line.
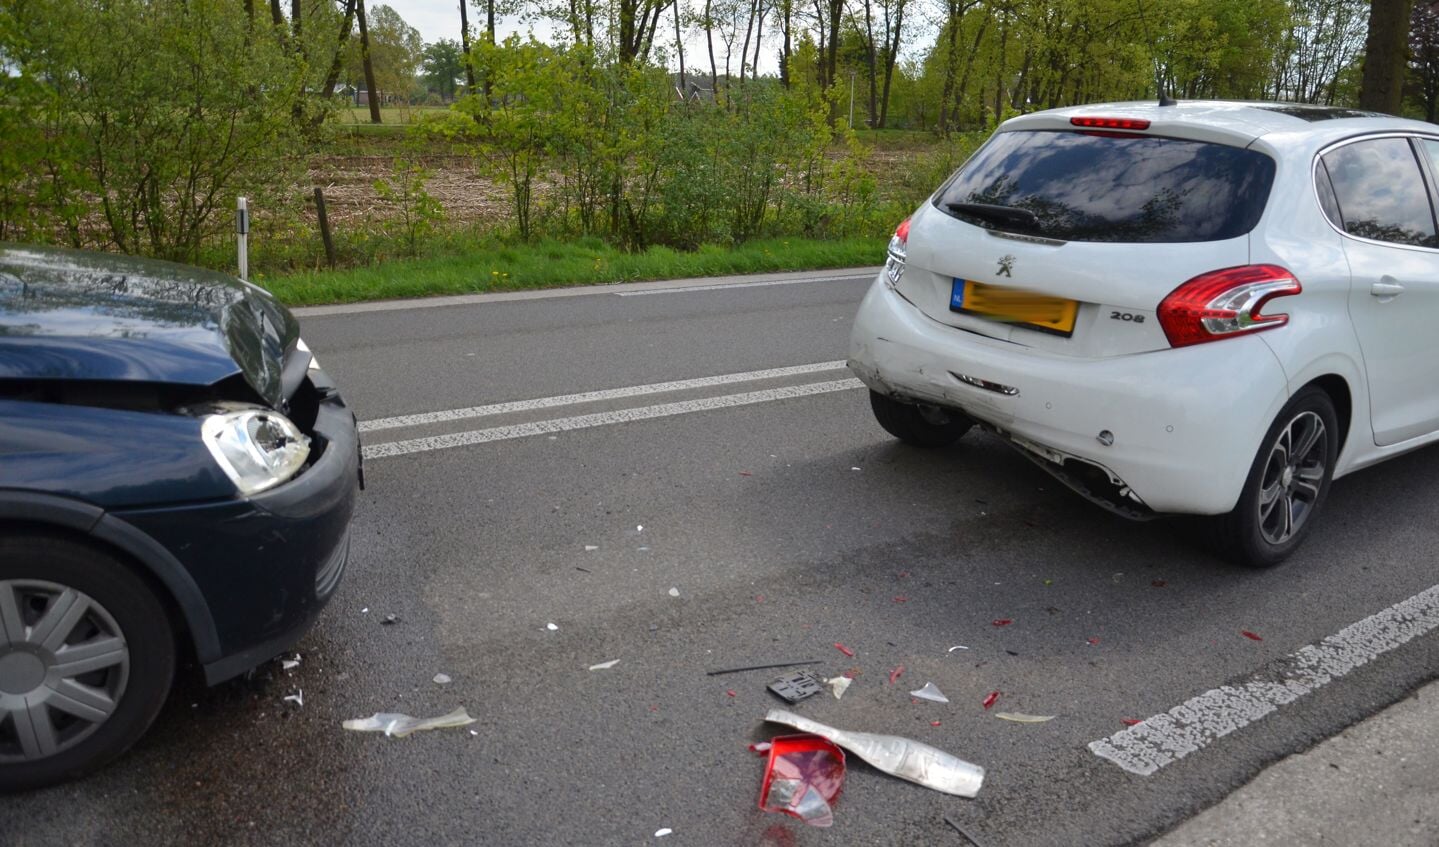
<point>1327,201</point>
<point>1380,191</point>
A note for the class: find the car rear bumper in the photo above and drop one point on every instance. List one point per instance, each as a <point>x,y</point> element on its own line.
<point>1185,423</point>
<point>266,565</point>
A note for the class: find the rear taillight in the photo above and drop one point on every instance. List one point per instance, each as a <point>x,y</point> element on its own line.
<point>894,262</point>
<point>1225,303</point>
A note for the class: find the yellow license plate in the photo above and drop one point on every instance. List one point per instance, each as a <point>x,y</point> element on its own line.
<point>1049,314</point>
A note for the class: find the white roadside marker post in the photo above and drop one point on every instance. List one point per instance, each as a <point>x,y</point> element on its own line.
<point>242,230</point>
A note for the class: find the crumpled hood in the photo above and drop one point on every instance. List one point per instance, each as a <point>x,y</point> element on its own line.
<point>68,314</point>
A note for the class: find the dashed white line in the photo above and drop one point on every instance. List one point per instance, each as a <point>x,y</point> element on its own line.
<point>424,418</point>
<point>688,288</point>
<point>500,433</point>
<point>1187,728</point>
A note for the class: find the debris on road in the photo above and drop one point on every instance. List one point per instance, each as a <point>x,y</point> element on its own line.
<point>1250,635</point>
<point>661,833</point>
<point>796,687</point>
<point>803,777</point>
<point>901,599</point>
<point>390,620</point>
<point>1093,642</point>
<point>990,698</point>
<point>290,664</point>
<point>604,666</point>
<point>838,685</point>
<point>895,674</point>
<point>583,570</point>
<point>930,692</point>
<point>843,649</point>
<point>442,679</point>
<point>957,828</point>
<point>399,726</point>
<point>731,692</point>
<point>958,647</point>
<point>745,473</point>
<point>1003,621</point>
<point>674,592</point>
<point>590,548</point>
<point>1131,721</point>
<point>1158,583</point>
<point>1019,717</point>
<point>551,627</point>
<point>298,698</point>
<point>910,760</point>
<point>721,671</point>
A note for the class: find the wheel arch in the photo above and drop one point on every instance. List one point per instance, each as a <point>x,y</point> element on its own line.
<point>90,524</point>
<point>1337,387</point>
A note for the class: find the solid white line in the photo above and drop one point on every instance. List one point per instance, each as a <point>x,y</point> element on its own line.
<point>689,288</point>
<point>1164,739</point>
<point>501,433</point>
<point>592,396</point>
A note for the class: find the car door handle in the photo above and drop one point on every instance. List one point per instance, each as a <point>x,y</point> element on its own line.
<point>1386,289</point>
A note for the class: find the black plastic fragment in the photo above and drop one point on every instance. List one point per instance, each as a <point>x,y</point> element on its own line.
<point>796,686</point>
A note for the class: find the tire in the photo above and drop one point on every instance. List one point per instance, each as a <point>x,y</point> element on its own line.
<point>919,425</point>
<point>129,661</point>
<point>1277,508</point>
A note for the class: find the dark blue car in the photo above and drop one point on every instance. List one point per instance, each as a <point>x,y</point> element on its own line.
<point>177,477</point>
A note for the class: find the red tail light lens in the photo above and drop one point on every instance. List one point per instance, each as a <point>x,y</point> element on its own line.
<point>894,262</point>
<point>1110,123</point>
<point>1225,303</point>
<point>902,231</point>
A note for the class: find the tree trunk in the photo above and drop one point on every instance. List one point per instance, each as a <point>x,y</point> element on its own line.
<point>710,43</point>
<point>758,35</point>
<point>748,28</point>
<point>465,46</point>
<point>333,76</point>
<point>1385,56</point>
<point>371,94</point>
<point>873,77</point>
<point>787,7</point>
<point>276,16</point>
<point>890,57</point>
<point>680,47</point>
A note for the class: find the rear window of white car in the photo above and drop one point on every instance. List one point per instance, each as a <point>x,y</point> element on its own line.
<point>1101,186</point>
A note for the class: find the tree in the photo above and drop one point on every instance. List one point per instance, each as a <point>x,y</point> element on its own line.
<point>1384,56</point>
<point>442,64</point>
<point>395,50</point>
<point>1424,58</point>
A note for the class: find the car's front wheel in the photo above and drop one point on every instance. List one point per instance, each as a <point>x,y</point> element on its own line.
<point>919,424</point>
<point>86,659</point>
<point>1287,484</point>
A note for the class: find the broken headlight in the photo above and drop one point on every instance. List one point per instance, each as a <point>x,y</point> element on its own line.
<point>256,448</point>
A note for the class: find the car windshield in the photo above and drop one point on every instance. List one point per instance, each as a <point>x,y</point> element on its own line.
<point>1094,186</point>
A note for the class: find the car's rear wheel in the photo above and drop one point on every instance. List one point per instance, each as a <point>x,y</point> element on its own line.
<point>86,659</point>
<point>1287,484</point>
<point>919,424</point>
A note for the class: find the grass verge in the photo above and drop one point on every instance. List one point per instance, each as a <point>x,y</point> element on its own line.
<point>551,264</point>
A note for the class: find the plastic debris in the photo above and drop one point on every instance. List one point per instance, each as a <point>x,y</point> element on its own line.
<point>904,758</point>
<point>298,698</point>
<point>661,833</point>
<point>551,627</point>
<point>796,687</point>
<point>843,649</point>
<point>760,747</point>
<point>762,667</point>
<point>745,473</point>
<point>1003,621</point>
<point>803,777</point>
<point>957,828</point>
<point>958,647</point>
<point>838,685</point>
<point>854,469</point>
<point>390,620</point>
<point>895,674</point>
<point>674,592</point>
<point>290,664</point>
<point>1131,721</point>
<point>1250,635</point>
<point>901,599</point>
<point>934,723</point>
<point>365,611</point>
<point>990,698</point>
<point>399,726</point>
<point>442,679</point>
<point>1093,642</point>
<point>590,548</point>
<point>1019,717</point>
<point>731,692</point>
<point>930,692</point>
<point>640,528</point>
<point>604,666</point>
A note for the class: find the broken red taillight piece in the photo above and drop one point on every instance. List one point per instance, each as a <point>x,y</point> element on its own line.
<point>803,778</point>
<point>990,699</point>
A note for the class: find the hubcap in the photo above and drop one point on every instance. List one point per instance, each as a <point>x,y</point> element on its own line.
<point>1293,476</point>
<point>63,668</point>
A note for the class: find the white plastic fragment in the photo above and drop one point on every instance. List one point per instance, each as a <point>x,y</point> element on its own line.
<point>640,528</point>
<point>298,698</point>
<point>551,627</point>
<point>661,833</point>
<point>674,592</point>
<point>591,547</point>
<point>958,647</point>
<point>1018,717</point>
<point>930,692</point>
<point>902,757</point>
<point>290,664</point>
<point>442,679</point>
<point>399,726</point>
<point>838,685</point>
<point>365,611</point>
<point>604,666</point>
<point>854,469</point>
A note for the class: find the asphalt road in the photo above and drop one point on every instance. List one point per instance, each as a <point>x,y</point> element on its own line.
<point>785,521</point>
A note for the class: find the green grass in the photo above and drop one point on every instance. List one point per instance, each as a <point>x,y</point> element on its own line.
<point>550,264</point>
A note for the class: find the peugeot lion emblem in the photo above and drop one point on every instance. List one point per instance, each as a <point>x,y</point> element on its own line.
<point>1006,264</point>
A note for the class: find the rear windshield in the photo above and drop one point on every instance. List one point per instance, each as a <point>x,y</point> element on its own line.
<point>1086,186</point>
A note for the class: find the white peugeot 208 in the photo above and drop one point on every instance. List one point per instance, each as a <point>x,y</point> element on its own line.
<point>1197,308</point>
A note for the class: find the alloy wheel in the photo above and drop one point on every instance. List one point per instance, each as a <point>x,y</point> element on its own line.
<point>1293,477</point>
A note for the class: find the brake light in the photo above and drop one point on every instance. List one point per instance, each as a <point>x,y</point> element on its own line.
<point>894,262</point>
<point>1225,303</point>
<point>1110,123</point>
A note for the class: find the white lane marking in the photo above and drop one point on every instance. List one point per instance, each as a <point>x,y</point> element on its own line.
<point>501,433</point>
<point>593,396</point>
<point>1164,739</point>
<point>688,288</point>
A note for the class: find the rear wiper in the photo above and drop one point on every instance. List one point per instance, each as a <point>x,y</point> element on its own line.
<point>1009,216</point>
